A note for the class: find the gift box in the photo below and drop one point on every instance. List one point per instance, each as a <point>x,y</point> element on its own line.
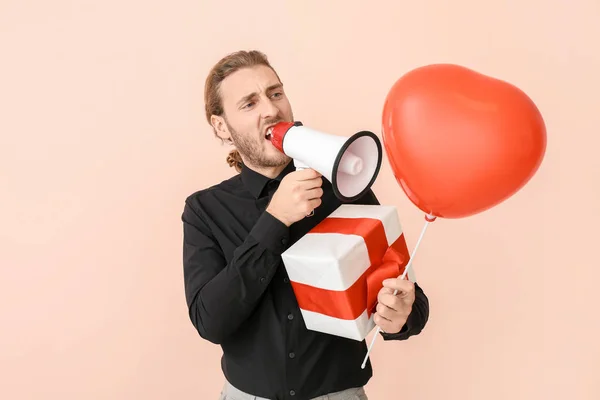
<point>337,268</point>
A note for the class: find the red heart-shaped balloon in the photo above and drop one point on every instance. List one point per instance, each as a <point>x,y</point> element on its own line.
<point>460,142</point>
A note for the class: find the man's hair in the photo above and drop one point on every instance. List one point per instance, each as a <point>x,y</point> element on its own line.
<point>212,94</point>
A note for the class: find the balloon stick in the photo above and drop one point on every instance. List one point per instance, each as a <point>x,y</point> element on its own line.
<point>428,219</point>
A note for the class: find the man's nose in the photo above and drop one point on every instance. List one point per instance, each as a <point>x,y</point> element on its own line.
<point>269,109</point>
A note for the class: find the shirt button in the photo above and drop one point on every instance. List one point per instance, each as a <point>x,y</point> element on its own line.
<point>292,355</point>
<point>283,241</point>
<point>290,317</point>
<point>286,280</point>
<point>262,280</point>
<point>292,393</point>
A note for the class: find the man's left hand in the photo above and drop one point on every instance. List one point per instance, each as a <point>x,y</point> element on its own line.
<point>393,310</point>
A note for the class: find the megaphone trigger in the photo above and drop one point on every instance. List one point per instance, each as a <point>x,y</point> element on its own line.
<point>300,165</point>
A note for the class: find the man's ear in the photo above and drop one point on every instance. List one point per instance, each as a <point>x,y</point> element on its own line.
<point>218,123</point>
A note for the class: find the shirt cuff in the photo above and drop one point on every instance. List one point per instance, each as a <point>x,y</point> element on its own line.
<point>271,233</point>
<point>404,332</point>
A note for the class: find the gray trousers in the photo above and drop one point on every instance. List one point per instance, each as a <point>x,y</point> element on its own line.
<point>231,393</point>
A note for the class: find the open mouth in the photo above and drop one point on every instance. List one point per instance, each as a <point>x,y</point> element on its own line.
<point>269,133</point>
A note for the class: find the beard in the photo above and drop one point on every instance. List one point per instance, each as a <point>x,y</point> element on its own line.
<point>250,148</point>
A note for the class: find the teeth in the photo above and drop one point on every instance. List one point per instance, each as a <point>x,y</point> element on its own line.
<point>269,133</point>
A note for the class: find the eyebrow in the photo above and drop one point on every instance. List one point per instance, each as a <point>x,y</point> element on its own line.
<point>251,95</point>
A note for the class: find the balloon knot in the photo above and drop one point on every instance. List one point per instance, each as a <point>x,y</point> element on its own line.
<point>430,218</point>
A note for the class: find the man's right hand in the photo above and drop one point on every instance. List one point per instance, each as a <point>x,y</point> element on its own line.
<point>298,194</point>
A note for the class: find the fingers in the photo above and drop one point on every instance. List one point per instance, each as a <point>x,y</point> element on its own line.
<point>301,193</point>
<point>315,193</point>
<point>308,184</point>
<point>305,179</point>
<point>306,190</point>
<point>385,324</point>
<point>309,207</point>
<point>388,300</point>
<point>306,174</point>
<point>391,312</point>
<point>404,287</point>
<point>385,311</point>
<point>386,290</point>
<point>312,204</point>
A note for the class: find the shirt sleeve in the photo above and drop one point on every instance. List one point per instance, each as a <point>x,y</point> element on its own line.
<point>420,312</point>
<point>221,295</point>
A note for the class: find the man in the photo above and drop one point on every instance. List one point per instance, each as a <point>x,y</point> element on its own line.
<point>237,289</point>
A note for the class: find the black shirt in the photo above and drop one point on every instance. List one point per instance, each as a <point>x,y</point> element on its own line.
<point>239,294</point>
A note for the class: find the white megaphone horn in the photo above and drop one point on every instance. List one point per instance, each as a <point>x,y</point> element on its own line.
<point>351,164</point>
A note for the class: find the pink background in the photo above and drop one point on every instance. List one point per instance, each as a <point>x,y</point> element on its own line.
<point>103,135</point>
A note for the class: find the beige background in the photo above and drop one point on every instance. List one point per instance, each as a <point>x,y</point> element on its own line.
<point>103,136</point>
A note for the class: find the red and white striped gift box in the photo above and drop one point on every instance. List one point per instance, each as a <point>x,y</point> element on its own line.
<point>337,268</point>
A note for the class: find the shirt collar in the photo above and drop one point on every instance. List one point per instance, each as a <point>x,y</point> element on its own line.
<point>256,182</point>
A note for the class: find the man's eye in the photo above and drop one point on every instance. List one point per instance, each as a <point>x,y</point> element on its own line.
<point>248,105</point>
<point>277,94</point>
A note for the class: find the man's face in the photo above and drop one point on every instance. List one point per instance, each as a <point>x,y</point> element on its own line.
<point>253,100</point>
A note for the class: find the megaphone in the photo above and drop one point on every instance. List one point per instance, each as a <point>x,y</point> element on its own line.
<point>351,164</point>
